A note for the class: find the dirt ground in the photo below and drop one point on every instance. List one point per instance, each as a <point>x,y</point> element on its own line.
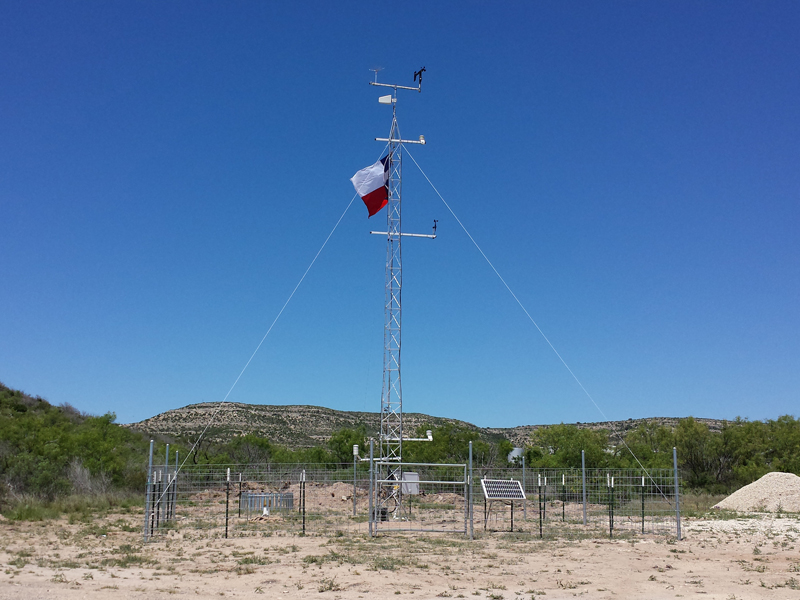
<point>754,557</point>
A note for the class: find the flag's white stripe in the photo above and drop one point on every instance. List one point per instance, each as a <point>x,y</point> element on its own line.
<point>369,179</point>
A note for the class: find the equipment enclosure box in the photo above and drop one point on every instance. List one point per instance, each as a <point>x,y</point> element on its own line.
<point>411,484</point>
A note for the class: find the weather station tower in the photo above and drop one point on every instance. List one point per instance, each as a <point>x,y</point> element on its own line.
<point>389,172</point>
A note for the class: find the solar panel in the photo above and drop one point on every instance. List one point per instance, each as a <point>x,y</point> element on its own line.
<point>502,489</point>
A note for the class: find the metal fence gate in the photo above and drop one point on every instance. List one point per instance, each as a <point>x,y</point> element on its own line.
<point>425,497</point>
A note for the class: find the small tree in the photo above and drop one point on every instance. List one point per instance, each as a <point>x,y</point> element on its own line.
<point>342,441</point>
<point>559,447</point>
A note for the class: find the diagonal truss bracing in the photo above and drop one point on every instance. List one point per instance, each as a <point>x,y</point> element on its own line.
<point>391,434</point>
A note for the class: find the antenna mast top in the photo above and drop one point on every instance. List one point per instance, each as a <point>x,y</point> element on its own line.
<point>375,70</point>
<point>417,75</point>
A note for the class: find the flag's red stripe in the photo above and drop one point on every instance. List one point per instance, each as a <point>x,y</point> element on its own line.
<point>376,200</point>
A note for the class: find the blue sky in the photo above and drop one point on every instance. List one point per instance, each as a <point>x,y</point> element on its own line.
<point>169,170</point>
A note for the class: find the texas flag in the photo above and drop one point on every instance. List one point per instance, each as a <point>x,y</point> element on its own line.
<point>372,185</point>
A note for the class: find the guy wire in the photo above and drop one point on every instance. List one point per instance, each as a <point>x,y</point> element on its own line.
<point>546,339</point>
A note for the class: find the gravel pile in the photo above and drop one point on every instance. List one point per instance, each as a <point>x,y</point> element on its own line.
<point>773,492</point>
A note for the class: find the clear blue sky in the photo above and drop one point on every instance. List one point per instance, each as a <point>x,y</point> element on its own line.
<point>168,171</point>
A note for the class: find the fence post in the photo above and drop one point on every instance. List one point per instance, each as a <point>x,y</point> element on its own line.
<point>471,530</point>
<point>227,499</point>
<point>240,496</point>
<point>303,498</point>
<point>167,489</point>
<point>524,502</point>
<point>148,493</point>
<point>610,484</point>
<point>355,461</point>
<point>642,503</point>
<point>466,500</point>
<point>677,491</point>
<point>371,483</point>
<point>544,498</point>
<point>583,480</point>
<point>168,498</point>
<point>158,496</point>
<point>175,487</point>
<point>539,497</point>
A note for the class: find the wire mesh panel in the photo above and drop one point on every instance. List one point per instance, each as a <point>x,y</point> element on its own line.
<point>229,500</point>
<point>160,500</point>
<point>220,501</point>
<point>612,502</point>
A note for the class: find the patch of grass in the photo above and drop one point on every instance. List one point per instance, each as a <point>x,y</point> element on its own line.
<point>792,583</point>
<point>329,585</point>
<point>79,508</point>
<point>699,505</point>
<point>18,562</point>
<point>752,567</point>
<point>124,525</point>
<point>383,563</point>
<point>58,564</point>
<point>95,530</point>
<point>31,511</point>
<point>130,557</point>
<point>254,560</point>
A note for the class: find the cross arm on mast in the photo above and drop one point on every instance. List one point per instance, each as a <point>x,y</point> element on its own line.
<point>421,140</point>
<point>417,235</point>
<point>397,87</point>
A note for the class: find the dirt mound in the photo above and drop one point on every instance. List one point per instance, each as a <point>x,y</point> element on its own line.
<point>772,493</point>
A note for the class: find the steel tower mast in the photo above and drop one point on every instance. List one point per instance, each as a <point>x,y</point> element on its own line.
<point>391,436</point>
<point>391,433</point>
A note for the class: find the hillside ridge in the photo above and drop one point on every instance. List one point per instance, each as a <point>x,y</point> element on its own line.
<point>304,426</point>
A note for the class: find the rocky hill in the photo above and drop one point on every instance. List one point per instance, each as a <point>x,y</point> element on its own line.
<point>307,426</point>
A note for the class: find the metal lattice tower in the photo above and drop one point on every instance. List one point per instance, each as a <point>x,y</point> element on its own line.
<point>391,433</point>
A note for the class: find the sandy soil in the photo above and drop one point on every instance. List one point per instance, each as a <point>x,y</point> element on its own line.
<point>105,558</point>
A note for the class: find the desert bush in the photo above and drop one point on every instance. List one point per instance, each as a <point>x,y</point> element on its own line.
<point>48,452</point>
